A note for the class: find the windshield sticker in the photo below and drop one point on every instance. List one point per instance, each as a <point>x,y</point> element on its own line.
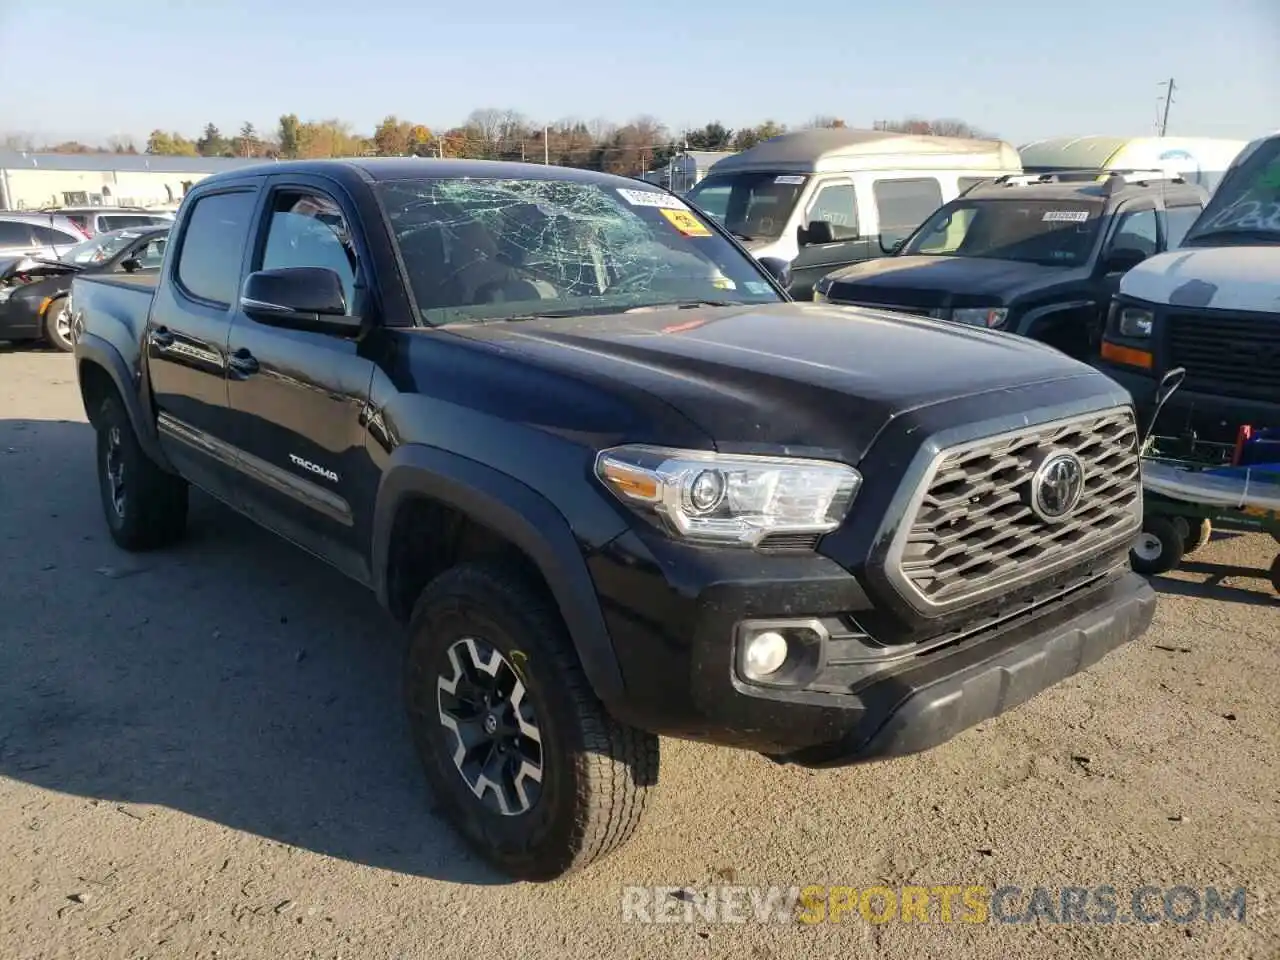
<point>1066,216</point>
<point>651,198</point>
<point>686,223</point>
<point>788,178</point>
<point>758,287</point>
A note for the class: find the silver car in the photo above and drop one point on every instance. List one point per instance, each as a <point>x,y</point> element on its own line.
<point>37,235</point>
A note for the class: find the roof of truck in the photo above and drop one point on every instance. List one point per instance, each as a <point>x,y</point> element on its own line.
<point>418,168</point>
<point>843,147</point>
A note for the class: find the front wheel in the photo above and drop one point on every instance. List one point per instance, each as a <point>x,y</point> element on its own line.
<point>1275,574</point>
<point>57,325</point>
<point>1158,548</point>
<point>520,753</point>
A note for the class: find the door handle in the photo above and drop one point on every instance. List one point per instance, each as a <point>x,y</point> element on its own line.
<point>161,338</point>
<point>243,363</point>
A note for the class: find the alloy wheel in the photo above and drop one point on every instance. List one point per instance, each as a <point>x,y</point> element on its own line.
<point>486,713</point>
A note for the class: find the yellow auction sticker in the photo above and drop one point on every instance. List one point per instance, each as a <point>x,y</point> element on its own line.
<point>686,223</point>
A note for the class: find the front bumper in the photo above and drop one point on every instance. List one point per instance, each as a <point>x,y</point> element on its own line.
<point>675,641</point>
<point>1210,417</point>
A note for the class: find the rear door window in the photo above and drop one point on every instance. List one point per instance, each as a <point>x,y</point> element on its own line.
<point>212,244</point>
<point>55,237</point>
<point>905,204</point>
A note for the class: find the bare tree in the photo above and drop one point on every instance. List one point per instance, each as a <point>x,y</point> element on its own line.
<point>20,142</point>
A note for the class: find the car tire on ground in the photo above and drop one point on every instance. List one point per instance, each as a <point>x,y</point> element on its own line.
<point>1199,533</point>
<point>521,755</point>
<point>1158,548</point>
<point>1275,574</point>
<point>57,325</point>
<point>145,507</point>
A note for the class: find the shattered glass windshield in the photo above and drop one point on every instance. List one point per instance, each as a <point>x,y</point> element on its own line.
<point>490,249</point>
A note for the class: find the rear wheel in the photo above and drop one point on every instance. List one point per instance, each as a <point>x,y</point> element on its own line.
<point>145,507</point>
<point>1158,548</point>
<point>1275,574</point>
<point>523,758</point>
<point>57,325</point>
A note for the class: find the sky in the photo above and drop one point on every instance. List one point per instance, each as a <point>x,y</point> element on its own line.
<point>1021,70</point>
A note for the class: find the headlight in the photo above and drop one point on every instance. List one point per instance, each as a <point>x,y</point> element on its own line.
<point>981,316</point>
<point>1135,322</point>
<point>726,499</point>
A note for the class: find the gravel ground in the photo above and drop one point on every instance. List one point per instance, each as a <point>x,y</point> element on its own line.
<point>202,754</point>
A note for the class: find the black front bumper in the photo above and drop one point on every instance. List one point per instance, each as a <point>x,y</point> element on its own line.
<point>928,705</point>
<point>673,622</point>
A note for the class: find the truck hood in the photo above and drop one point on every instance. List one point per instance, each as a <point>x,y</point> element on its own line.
<point>934,281</point>
<point>1221,278</point>
<point>795,376</point>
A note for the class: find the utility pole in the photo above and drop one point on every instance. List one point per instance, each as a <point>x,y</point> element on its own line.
<point>546,147</point>
<point>1168,101</point>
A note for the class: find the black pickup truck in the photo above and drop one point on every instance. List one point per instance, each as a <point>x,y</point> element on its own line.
<point>615,483</point>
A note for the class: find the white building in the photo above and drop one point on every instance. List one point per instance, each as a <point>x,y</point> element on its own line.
<point>686,169</point>
<point>29,181</point>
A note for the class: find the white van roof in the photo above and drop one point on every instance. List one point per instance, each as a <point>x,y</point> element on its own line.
<point>1098,152</point>
<point>839,149</point>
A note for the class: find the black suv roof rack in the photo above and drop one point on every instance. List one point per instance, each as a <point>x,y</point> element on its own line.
<point>1112,180</point>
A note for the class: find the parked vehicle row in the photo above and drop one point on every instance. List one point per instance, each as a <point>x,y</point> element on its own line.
<point>35,301</point>
<point>613,480</point>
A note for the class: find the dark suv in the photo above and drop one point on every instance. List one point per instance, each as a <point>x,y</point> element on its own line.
<point>1035,255</point>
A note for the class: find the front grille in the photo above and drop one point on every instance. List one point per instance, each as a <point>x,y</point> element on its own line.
<point>973,531</point>
<point>1230,355</point>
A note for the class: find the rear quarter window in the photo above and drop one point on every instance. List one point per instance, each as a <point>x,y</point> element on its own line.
<point>213,242</point>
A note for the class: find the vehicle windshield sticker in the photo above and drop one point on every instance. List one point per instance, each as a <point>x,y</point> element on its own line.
<point>686,223</point>
<point>758,287</point>
<point>651,198</point>
<point>1066,216</point>
<point>788,178</point>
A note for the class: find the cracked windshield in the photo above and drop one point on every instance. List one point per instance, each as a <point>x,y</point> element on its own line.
<point>507,249</point>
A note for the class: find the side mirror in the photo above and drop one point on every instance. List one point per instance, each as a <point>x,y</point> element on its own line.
<point>1123,259</point>
<point>895,247</point>
<point>300,298</point>
<point>779,269</point>
<point>131,265</point>
<point>817,233</point>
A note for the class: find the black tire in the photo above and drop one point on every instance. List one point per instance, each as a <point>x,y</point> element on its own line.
<point>145,507</point>
<point>1199,533</point>
<point>595,772</point>
<point>1275,574</point>
<point>1158,548</point>
<point>54,335</point>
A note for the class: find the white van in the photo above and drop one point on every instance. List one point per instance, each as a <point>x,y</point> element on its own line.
<point>1212,307</point>
<point>1199,160</point>
<point>823,199</point>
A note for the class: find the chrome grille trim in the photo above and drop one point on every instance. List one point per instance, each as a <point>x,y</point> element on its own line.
<point>970,532</point>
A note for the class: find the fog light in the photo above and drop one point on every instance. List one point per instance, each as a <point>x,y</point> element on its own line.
<point>765,654</point>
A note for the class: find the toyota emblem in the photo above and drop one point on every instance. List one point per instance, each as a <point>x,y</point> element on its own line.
<point>1057,486</point>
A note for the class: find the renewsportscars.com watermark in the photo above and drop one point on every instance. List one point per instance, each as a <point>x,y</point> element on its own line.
<point>950,903</point>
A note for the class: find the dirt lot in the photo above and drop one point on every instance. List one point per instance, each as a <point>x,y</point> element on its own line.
<point>202,754</point>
